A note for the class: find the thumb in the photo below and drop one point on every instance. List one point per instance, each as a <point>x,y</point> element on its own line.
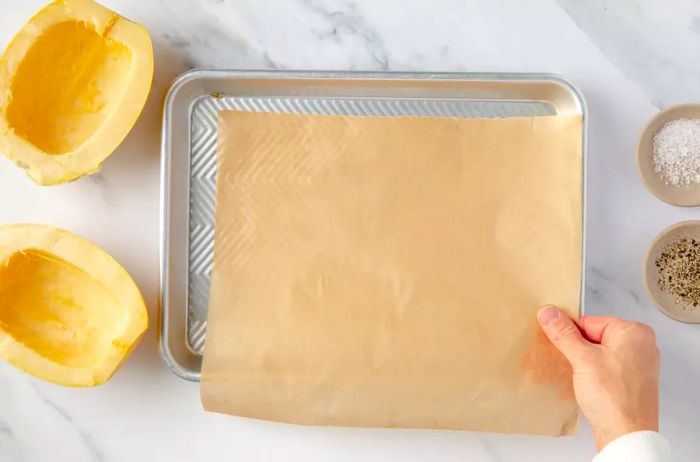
<point>562,332</point>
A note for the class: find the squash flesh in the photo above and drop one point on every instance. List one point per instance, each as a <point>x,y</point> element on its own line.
<point>58,310</point>
<point>69,313</point>
<point>69,81</point>
<point>73,82</point>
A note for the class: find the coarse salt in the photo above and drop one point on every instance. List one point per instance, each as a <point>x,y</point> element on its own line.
<point>676,152</point>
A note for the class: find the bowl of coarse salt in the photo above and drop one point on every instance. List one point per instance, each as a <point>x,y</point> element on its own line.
<point>668,155</point>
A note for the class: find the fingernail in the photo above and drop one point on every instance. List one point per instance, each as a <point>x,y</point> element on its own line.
<point>548,314</point>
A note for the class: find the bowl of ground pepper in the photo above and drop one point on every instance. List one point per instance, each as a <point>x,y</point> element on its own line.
<point>672,271</point>
<point>668,155</point>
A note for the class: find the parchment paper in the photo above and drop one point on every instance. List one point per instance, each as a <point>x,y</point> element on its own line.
<point>376,271</point>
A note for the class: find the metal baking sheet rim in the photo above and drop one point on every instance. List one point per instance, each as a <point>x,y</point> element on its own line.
<point>164,312</point>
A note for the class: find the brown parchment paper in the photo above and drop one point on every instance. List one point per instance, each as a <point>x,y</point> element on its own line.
<point>373,271</point>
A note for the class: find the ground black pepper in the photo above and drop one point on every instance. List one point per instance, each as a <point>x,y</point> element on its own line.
<point>679,271</point>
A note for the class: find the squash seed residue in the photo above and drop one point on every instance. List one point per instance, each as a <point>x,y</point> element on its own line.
<point>679,271</point>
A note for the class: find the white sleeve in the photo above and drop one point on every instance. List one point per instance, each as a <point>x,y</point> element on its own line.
<point>643,446</point>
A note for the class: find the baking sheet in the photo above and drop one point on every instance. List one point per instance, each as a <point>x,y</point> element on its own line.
<point>190,139</point>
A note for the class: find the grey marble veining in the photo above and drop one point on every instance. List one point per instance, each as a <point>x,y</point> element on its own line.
<point>344,24</point>
<point>652,42</point>
<point>85,437</point>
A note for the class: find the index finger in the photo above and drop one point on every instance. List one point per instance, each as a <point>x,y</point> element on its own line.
<point>593,327</point>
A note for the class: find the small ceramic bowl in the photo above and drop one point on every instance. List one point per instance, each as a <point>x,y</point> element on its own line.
<point>665,301</point>
<point>685,196</point>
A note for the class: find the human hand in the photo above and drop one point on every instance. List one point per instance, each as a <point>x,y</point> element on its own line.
<point>616,370</point>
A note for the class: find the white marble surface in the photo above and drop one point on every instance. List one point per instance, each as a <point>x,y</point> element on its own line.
<point>629,57</point>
